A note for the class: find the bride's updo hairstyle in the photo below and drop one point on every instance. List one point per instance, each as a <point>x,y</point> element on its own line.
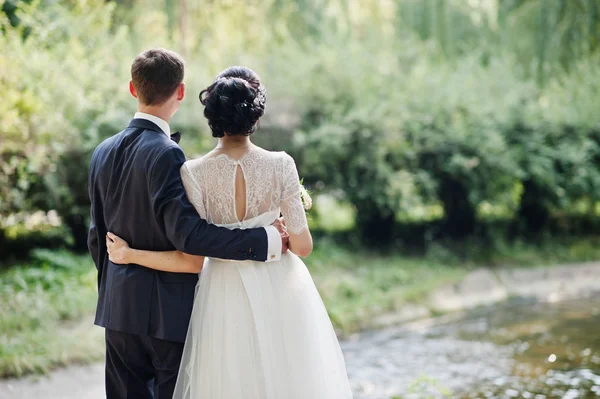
<point>234,103</point>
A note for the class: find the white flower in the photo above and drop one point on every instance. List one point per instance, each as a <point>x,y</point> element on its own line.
<point>305,196</point>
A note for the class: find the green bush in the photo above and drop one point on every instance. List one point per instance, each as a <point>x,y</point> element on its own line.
<point>16,242</point>
<point>61,87</point>
<point>394,107</point>
<point>555,143</point>
<point>461,135</point>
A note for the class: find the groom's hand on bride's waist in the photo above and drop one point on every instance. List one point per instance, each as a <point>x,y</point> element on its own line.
<point>279,224</point>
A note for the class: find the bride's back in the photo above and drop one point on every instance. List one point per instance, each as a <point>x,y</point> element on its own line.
<point>230,191</point>
<point>245,189</point>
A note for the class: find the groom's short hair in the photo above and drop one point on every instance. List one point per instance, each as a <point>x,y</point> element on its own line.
<point>155,74</point>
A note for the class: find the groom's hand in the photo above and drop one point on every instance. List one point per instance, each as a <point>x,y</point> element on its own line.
<point>285,237</point>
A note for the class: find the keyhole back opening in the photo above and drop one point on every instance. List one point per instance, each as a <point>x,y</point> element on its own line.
<point>240,194</point>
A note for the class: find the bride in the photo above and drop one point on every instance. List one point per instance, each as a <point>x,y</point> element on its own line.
<point>258,330</point>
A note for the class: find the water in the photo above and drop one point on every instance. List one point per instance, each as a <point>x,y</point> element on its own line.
<point>529,351</point>
<point>556,349</point>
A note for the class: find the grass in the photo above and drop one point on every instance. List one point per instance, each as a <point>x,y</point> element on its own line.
<point>45,314</point>
<point>358,286</point>
<point>546,251</point>
<point>47,305</point>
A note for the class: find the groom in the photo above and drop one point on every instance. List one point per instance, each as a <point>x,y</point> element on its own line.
<point>137,193</point>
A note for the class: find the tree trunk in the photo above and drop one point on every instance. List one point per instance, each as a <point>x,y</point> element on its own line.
<point>533,212</point>
<point>79,230</point>
<point>376,227</point>
<point>459,214</point>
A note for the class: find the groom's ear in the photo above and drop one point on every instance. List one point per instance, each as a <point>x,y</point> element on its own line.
<point>132,89</point>
<point>180,92</point>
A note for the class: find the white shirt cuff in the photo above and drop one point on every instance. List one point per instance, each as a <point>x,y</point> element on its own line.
<point>274,249</point>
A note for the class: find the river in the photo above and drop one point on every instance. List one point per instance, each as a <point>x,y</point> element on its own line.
<point>522,350</point>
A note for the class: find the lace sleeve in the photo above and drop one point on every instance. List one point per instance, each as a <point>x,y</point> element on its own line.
<point>193,191</point>
<point>291,202</point>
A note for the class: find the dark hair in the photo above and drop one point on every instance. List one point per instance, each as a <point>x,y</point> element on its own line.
<point>234,103</point>
<point>155,74</point>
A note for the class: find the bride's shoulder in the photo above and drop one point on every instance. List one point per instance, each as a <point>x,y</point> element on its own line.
<point>278,155</point>
<point>261,153</point>
<point>279,159</point>
<point>285,158</point>
<point>194,164</point>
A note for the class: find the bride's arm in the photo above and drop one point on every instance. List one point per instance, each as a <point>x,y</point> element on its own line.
<point>301,242</point>
<point>119,252</point>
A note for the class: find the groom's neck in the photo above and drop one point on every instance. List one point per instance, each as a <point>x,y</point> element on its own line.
<point>162,112</point>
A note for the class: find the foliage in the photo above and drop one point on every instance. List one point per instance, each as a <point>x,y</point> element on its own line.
<point>393,106</point>
<point>484,134</point>
<point>42,305</point>
<point>16,241</point>
<point>56,84</point>
<point>9,8</point>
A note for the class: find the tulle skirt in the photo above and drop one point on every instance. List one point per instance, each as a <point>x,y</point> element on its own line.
<point>260,331</point>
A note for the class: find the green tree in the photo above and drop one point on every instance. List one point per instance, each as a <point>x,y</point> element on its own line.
<point>61,85</point>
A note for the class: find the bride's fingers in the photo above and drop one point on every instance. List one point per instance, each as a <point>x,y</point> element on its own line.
<point>110,243</point>
<point>117,241</point>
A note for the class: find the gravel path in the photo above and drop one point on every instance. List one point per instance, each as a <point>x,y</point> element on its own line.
<point>76,382</point>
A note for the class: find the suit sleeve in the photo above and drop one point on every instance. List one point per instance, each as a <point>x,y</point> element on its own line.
<point>93,240</point>
<point>182,224</point>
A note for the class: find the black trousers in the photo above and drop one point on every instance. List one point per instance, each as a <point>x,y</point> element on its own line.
<point>140,367</point>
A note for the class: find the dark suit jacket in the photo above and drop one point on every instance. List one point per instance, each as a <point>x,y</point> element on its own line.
<point>136,192</point>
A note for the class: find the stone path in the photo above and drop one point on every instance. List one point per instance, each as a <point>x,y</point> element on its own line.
<point>77,382</point>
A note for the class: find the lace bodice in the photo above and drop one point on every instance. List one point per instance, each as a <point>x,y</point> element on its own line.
<point>272,185</point>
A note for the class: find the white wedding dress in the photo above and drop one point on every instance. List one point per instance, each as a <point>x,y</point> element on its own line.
<point>258,330</point>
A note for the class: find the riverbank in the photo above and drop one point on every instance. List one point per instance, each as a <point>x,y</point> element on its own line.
<point>485,287</point>
<point>47,305</point>
<point>492,353</point>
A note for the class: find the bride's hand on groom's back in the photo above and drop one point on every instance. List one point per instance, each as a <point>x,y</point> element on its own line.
<point>118,249</point>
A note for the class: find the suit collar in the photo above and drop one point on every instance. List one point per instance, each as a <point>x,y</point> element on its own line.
<point>161,123</point>
<point>138,123</point>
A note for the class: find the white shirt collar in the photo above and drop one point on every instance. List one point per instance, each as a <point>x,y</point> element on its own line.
<point>161,123</point>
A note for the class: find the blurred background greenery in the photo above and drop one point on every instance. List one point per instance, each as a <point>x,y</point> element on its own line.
<point>436,135</point>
